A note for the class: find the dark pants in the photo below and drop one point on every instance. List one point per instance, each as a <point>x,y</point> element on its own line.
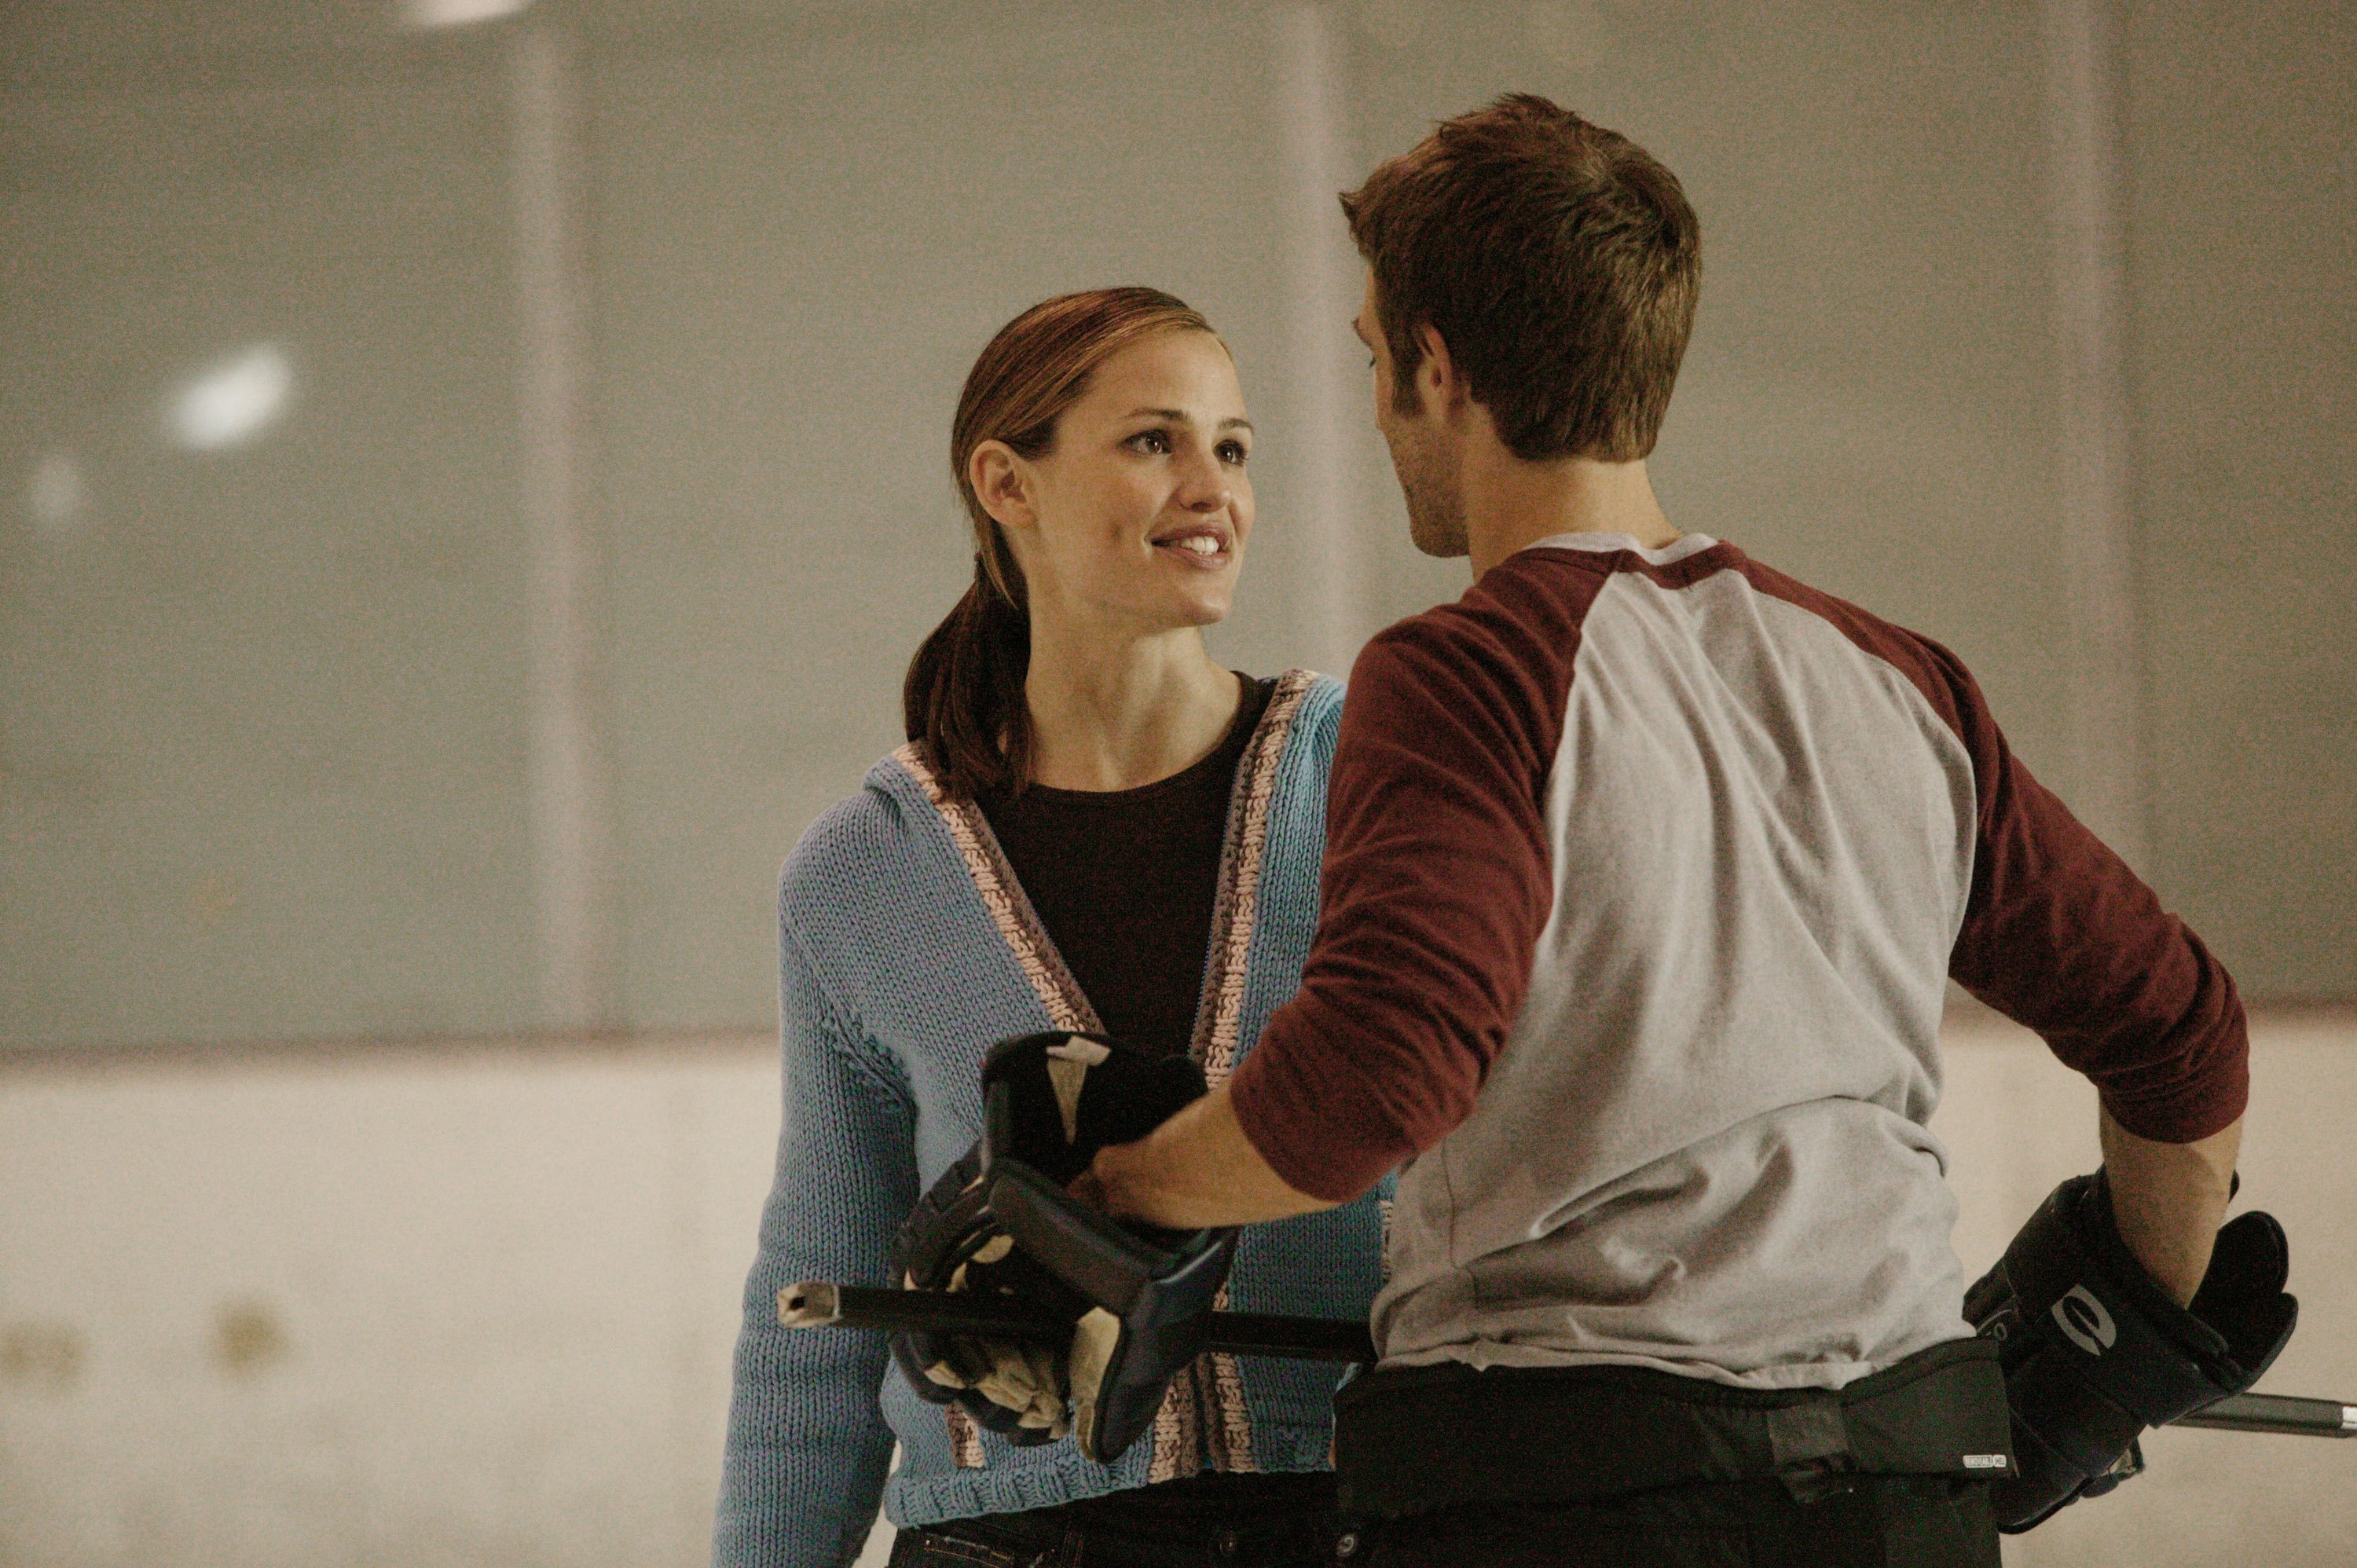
<point>1209,1522</point>
<point>1883,1521</point>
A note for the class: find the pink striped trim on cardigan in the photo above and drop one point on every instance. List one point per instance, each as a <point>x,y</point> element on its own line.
<point>1236,916</point>
<point>1236,912</point>
<point>1010,911</point>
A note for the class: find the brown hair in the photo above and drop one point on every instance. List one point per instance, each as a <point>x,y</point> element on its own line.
<point>1557,259</point>
<point>964,697</point>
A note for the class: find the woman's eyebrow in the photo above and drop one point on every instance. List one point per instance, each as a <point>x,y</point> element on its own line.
<point>1180,416</point>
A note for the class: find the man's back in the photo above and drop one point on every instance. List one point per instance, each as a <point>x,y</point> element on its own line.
<point>1703,1146</point>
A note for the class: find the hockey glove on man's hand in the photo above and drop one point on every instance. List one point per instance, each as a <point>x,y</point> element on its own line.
<point>2094,1351</point>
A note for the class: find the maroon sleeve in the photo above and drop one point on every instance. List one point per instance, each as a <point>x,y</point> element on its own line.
<point>1436,882</point>
<point>2063,936</point>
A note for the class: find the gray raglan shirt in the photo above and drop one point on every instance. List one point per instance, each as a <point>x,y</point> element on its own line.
<point>1646,873</point>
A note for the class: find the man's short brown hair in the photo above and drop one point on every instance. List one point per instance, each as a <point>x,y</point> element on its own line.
<point>1557,259</point>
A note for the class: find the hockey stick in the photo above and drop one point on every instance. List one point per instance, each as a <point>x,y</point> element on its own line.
<point>2280,1413</point>
<point>816,1304</point>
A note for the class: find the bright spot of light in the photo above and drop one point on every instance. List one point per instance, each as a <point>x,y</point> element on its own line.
<point>230,402</point>
<point>458,13</point>
<point>57,495</point>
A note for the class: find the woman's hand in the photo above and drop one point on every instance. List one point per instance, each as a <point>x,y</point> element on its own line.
<point>1198,1169</point>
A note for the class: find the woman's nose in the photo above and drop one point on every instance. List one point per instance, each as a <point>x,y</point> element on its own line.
<point>1205,488</point>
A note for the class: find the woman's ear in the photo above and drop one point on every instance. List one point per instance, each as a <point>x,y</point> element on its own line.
<point>1003,483</point>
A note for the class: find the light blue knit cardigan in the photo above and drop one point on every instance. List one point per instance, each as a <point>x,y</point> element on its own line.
<point>905,949</point>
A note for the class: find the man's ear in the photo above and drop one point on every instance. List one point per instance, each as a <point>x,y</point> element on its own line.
<point>1437,378</point>
<point>1002,484</point>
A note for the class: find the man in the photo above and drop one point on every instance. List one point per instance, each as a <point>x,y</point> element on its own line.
<point>1648,867</point>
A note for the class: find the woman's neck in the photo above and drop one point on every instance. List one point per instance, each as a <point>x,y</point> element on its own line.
<point>1121,713</point>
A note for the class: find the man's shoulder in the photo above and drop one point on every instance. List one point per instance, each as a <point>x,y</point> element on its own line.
<point>1491,669</point>
<point>1520,608</point>
<point>1518,626</point>
<point>1927,665</point>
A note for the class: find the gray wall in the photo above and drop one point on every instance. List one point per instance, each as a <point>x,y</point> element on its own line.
<point>274,751</point>
<point>2243,142</point>
<point>258,730</point>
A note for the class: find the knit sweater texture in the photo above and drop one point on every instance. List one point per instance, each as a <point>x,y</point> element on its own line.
<point>906,949</point>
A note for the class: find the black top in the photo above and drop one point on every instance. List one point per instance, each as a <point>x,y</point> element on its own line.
<point>1124,881</point>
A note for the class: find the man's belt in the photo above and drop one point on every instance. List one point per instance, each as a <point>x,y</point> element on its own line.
<point>1410,1439</point>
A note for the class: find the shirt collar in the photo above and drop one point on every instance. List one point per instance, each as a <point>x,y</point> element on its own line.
<point>1678,549</point>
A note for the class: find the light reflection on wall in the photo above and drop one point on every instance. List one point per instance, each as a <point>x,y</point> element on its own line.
<point>56,497</point>
<point>458,13</point>
<point>233,401</point>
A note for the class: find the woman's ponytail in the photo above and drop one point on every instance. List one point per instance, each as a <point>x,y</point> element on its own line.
<point>964,700</point>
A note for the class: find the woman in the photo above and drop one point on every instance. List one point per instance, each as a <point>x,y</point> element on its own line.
<point>1092,826</point>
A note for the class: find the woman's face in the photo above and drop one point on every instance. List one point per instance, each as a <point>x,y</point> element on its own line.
<point>1135,520</point>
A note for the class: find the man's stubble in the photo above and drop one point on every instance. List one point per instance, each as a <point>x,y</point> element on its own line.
<point>1436,505</point>
<point>1428,479</point>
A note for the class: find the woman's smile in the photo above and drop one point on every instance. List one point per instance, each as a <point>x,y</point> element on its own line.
<point>1201,546</point>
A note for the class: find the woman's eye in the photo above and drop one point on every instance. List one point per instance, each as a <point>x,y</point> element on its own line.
<point>1232,452</point>
<point>1156,442</point>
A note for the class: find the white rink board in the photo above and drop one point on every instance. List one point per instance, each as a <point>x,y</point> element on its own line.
<point>475,1307</point>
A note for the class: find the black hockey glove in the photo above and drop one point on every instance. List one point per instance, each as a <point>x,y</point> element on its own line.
<point>951,1241</point>
<point>1001,1221</point>
<point>2094,1350</point>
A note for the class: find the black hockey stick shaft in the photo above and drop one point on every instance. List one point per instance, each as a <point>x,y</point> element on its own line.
<point>2279,1413</point>
<point>819,1305</point>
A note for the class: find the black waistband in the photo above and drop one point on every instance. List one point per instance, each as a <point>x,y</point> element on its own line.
<point>1410,1439</point>
<point>1249,1503</point>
